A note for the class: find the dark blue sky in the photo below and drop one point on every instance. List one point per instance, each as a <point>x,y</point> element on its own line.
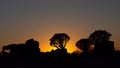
<point>24,19</point>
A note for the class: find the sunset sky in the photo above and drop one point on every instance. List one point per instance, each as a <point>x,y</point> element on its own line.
<point>21,20</point>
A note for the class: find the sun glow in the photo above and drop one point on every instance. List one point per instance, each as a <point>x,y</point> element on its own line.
<point>45,46</point>
<point>70,47</point>
<point>44,37</point>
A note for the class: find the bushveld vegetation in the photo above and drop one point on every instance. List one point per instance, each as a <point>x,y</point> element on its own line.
<point>28,54</point>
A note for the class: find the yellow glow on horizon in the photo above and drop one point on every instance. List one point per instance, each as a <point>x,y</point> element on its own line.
<point>70,47</point>
<point>44,37</point>
<point>45,47</point>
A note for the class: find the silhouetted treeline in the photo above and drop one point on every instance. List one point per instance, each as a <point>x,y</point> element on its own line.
<point>28,54</point>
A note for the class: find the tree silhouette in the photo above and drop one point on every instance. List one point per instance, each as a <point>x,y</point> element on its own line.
<point>83,44</point>
<point>28,54</point>
<point>99,36</point>
<point>102,43</point>
<point>59,40</point>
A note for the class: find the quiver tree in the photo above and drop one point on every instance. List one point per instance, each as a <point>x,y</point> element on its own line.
<point>59,40</point>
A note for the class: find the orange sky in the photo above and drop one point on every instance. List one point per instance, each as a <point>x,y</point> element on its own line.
<point>25,19</point>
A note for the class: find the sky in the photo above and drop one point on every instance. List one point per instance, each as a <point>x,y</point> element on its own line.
<point>21,20</point>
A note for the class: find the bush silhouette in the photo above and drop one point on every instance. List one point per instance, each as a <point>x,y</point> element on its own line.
<point>32,47</point>
<point>14,49</point>
<point>83,44</point>
<point>28,55</point>
<point>29,49</point>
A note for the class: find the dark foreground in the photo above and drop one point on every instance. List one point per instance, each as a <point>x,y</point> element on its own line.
<point>47,60</point>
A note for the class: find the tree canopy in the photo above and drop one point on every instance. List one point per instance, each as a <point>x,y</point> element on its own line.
<point>99,36</point>
<point>59,40</point>
<point>83,44</point>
